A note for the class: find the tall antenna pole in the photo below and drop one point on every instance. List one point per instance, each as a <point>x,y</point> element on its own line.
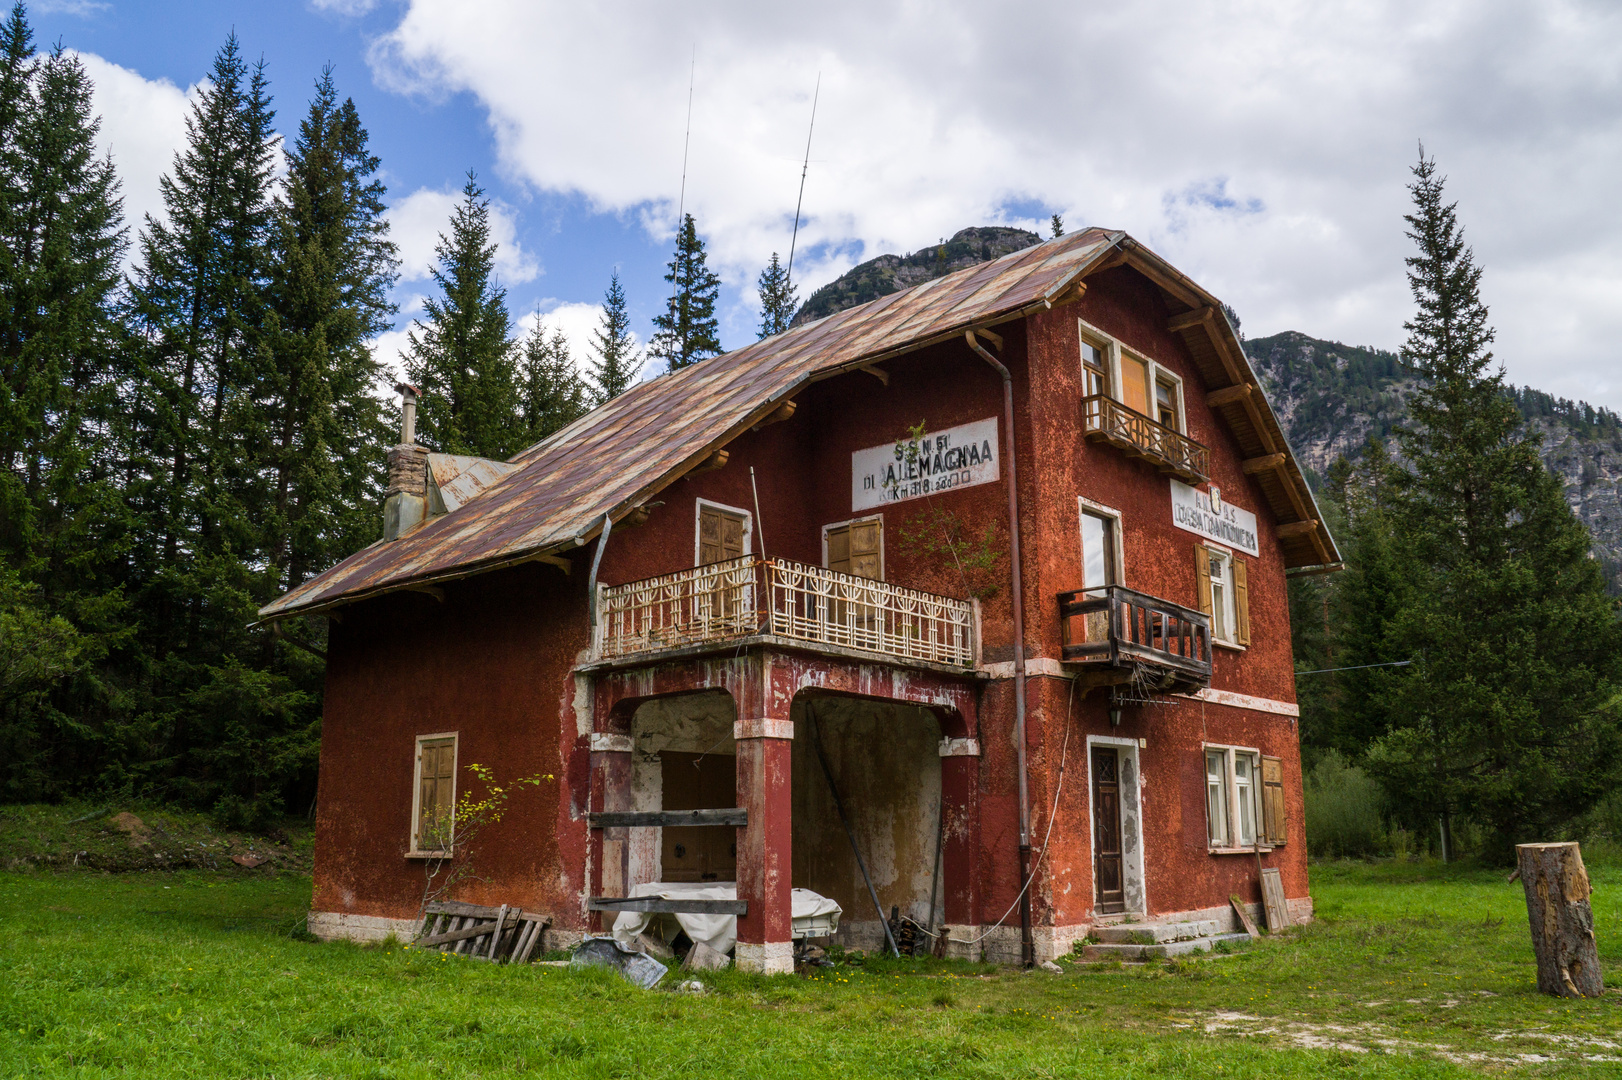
<point>681,201</point>
<point>806,167</point>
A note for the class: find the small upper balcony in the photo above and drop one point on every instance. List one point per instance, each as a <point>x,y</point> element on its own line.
<point>1117,635</point>
<point>1107,419</point>
<point>787,603</point>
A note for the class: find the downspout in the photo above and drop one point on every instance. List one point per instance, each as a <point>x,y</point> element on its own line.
<point>591,582</point>
<point>1027,946</point>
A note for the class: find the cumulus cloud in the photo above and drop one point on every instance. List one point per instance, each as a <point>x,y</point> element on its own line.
<point>143,124</point>
<point>1263,148</point>
<point>349,8</point>
<point>416,222</point>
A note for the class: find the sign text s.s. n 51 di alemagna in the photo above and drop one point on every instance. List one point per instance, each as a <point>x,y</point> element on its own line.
<point>940,461</point>
<point>1226,524</point>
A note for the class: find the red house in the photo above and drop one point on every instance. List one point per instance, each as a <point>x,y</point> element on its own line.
<point>809,566</point>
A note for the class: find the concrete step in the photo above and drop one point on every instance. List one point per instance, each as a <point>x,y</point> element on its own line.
<point>1155,933</point>
<point>1108,951</point>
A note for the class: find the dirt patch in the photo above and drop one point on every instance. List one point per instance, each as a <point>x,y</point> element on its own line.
<point>133,827</point>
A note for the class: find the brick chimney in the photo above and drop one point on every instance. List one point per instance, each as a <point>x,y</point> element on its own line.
<point>406,501</point>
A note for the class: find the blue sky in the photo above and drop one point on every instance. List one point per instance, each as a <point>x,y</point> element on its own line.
<point>1263,149</point>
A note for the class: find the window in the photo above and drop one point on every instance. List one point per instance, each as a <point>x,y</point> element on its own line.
<point>723,533</point>
<point>1098,550</point>
<point>1094,370</point>
<point>1239,796</point>
<point>1168,402</point>
<point>855,547</point>
<point>434,800</point>
<point>1222,584</point>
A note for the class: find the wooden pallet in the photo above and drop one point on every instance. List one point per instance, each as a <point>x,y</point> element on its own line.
<point>504,935</point>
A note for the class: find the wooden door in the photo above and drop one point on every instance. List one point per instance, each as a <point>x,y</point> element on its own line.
<point>857,549</point>
<point>1107,831</point>
<point>1135,384</point>
<point>698,782</point>
<point>720,535</point>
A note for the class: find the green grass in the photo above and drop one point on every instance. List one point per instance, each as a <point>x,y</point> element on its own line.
<point>1413,970</point>
<point>120,836</point>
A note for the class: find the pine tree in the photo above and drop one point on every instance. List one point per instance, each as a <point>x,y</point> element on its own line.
<point>554,395</point>
<point>688,331</point>
<point>615,369</point>
<point>1505,715</point>
<point>777,299</point>
<point>462,356</point>
<point>1057,226</point>
<point>329,292</point>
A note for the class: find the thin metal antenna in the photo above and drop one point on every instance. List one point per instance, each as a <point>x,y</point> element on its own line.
<point>806,167</point>
<point>681,201</point>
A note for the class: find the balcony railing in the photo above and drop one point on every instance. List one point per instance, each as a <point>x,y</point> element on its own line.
<point>1133,635</point>
<point>783,599</point>
<point>1107,419</point>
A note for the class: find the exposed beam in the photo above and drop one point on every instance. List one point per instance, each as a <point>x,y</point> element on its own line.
<point>1291,529</point>
<point>639,515</point>
<point>667,818</point>
<point>1197,317</point>
<point>716,460</point>
<point>1109,263</point>
<point>1265,463</point>
<point>877,372</point>
<point>556,560</point>
<point>1227,395</point>
<point>428,590</point>
<point>783,412</point>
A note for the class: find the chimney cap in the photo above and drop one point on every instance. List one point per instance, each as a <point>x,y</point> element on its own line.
<point>407,390</point>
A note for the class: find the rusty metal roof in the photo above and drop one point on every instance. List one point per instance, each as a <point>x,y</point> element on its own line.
<point>459,478</point>
<point>612,459</point>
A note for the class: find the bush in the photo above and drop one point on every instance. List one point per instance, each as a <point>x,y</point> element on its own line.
<point>1345,810</point>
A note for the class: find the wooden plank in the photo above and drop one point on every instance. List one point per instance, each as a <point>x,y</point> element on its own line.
<point>456,907</point>
<point>1297,528</point>
<point>733,816</point>
<point>536,932</point>
<point>1227,395</point>
<point>1265,463</point>
<point>1190,318</point>
<point>1245,920</point>
<point>1278,911</point>
<point>495,935</point>
<point>473,930</point>
<point>660,906</point>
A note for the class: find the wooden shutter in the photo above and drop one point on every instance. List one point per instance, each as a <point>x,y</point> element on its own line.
<point>839,549</point>
<point>1135,384</point>
<point>1275,826</point>
<point>720,535</point>
<point>1202,577</point>
<point>1241,603</point>
<point>436,790</point>
<point>866,546</point>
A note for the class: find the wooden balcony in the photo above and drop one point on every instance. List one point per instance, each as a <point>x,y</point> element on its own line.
<point>1116,635</point>
<point>1104,418</point>
<point>786,602</point>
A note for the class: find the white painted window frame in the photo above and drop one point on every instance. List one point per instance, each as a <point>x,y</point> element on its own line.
<point>416,789</point>
<point>1085,505</point>
<point>832,525</point>
<point>1230,603</point>
<point>1230,791</point>
<point>737,511</point>
<point>1133,866</point>
<point>1112,349</point>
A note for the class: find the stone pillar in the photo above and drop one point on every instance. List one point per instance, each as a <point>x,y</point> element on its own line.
<point>609,848</point>
<point>765,852</point>
<point>960,790</point>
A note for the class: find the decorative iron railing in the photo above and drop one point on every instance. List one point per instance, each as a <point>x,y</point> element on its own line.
<point>748,596</point>
<point>1115,626</point>
<point>1105,418</point>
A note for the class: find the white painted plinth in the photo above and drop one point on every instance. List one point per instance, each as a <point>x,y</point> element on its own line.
<point>772,958</point>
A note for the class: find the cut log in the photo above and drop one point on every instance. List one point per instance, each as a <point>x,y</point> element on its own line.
<point>1562,922</point>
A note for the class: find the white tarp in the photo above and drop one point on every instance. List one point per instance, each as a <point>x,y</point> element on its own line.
<point>719,932</point>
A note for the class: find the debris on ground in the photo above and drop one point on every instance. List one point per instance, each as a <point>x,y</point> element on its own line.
<point>703,958</point>
<point>1049,965</point>
<point>634,967</point>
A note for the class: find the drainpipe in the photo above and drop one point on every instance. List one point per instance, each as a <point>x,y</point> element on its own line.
<point>591,582</point>
<point>1027,946</point>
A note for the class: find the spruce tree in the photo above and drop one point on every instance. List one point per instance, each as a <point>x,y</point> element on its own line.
<point>462,356</point>
<point>1056,226</point>
<point>1506,714</point>
<point>777,299</point>
<point>688,331</point>
<point>616,366</point>
<point>553,395</point>
<point>333,266</point>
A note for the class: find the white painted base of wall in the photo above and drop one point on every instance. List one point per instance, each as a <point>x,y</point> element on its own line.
<point>772,958</point>
<point>341,926</point>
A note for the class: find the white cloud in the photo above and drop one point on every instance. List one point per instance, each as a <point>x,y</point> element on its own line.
<point>1261,147</point>
<point>416,222</point>
<point>143,124</point>
<point>348,8</point>
<point>80,8</point>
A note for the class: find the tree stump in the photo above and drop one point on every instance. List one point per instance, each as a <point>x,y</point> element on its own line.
<point>1557,893</point>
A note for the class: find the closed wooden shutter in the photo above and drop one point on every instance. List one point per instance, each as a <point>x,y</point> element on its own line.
<point>1202,578</point>
<point>720,535</point>
<point>1135,384</point>
<point>436,793</point>
<point>858,549</point>
<point>1241,603</point>
<point>1274,824</point>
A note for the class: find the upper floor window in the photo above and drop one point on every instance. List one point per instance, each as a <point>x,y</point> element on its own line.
<point>1222,583</point>
<point>723,533</point>
<point>855,547</point>
<point>1168,402</point>
<point>1094,370</point>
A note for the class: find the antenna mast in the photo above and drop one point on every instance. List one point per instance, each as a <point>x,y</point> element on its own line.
<point>681,201</point>
<point>806,167</point>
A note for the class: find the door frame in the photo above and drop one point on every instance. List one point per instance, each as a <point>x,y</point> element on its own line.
<point>1134,887</point>
<point>735,511</point>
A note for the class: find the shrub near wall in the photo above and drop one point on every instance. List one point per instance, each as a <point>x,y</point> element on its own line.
<point>1345,810</point>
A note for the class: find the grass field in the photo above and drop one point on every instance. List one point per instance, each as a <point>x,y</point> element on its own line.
<point>1413,970</point>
